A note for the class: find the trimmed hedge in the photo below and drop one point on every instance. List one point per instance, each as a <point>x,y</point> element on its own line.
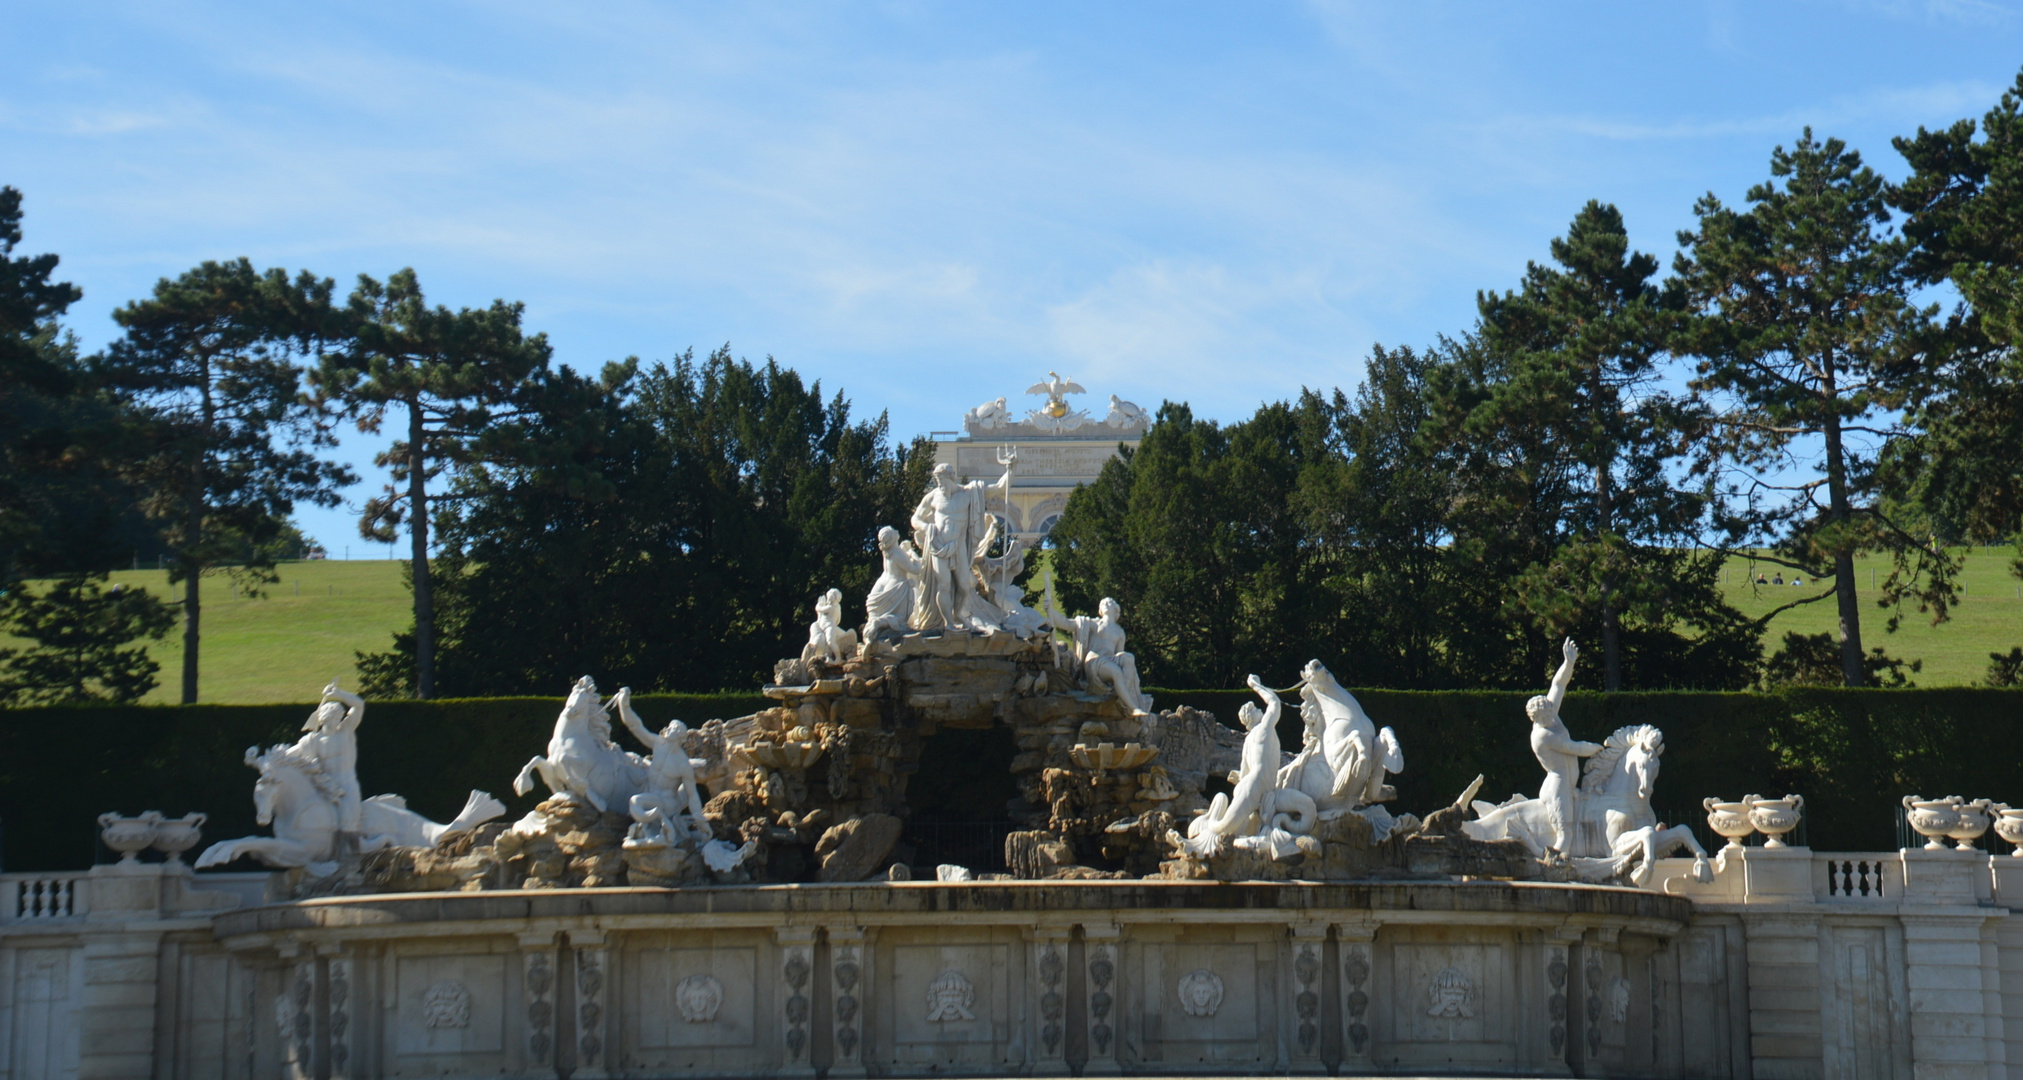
<point>62,767</point>
<point>1851,753</point>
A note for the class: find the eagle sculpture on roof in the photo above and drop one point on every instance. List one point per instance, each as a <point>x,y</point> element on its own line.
<point>1055,388</point>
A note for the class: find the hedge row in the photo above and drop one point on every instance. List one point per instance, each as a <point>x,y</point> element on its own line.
<point>1851,753</point>
<point>62,767</point>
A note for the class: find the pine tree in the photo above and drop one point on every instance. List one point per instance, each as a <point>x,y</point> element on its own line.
<point>1579,344</point>
<point>79,628</point>
<point>459,379</point>
<point>1964,201</point>
<point>1375,508</point>
<point>224,443</point>
<point>1804,325</point>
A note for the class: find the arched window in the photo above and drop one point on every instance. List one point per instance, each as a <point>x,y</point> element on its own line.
<point>1047,524</point>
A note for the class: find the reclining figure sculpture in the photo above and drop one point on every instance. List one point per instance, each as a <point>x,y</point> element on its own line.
<point>308,791</point>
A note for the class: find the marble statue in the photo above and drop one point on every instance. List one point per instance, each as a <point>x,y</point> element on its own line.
<point>951,526</point>
<point>987,417</point>
<point>1258,813</point>
<point>997,571</point>
<point>889,606</point>
<point>1125,416</point>
<point>308,792</point>
<point>1600,820</point>
<point>1018,618</point>
<point>1558,753</point>
<point>670,808</point>
<point>330,740</point>
<point>828,641</point>
<point>1099,652</point>
<point>1343,757</point>
<point>582,760</point>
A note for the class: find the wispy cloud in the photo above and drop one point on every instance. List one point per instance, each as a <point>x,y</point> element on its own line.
<point>1198,203</point>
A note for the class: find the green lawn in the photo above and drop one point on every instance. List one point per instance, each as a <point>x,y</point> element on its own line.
<point>286,645</point>
<point>283,646</point>
<point>1988,618</point>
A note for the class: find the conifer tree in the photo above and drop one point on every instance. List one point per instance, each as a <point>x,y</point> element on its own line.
<point>79,631</point>
<point>1804,326</point>
<point>224,443</point>
<point>458,380</point>
<point>1579,344</point>
<point>1964,201</point>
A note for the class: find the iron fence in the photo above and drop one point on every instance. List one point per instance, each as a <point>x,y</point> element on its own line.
<point>978,845</point>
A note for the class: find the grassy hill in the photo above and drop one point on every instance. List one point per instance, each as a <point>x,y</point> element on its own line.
<point>284,646</point>
<point>1988,618</point>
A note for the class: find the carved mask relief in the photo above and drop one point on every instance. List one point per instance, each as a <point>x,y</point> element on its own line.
<point>1451,995</point>
<point>699,997</point>
<point>950,997</point>
<point>1200,992</point>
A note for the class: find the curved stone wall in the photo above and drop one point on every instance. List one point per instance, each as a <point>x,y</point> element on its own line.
<point>1031,978</point>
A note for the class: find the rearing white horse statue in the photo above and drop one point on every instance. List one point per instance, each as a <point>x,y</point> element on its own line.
<point>1345,758</point>
<point>582,760</point>
<point>305,820</point>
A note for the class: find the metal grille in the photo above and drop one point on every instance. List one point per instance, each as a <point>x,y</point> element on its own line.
<point>978,845</point>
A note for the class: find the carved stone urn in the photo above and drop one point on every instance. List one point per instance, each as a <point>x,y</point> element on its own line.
<point>129,835</point>
<point>2009,825</point>
<point>1974,820</point>
<point>1774,817</point>
<point>1934,819</point>
<point>173,836</point>
<point>1729,819</point>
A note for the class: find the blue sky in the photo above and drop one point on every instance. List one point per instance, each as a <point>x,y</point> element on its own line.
<point>928,205</point>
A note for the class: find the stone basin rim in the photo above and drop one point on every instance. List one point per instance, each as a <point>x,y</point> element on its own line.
<point>1446,902</point>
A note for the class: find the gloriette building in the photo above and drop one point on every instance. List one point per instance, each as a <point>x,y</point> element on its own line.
<point>1060,446</point>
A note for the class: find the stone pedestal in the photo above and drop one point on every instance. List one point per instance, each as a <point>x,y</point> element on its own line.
<point>1946,876</point>
<point>1775,875</point>
<point>1561,991</point>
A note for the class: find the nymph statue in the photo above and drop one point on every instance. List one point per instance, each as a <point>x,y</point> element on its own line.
<point>308,792</point>
<point>949,526</point>
<point>328,749</point>
<point>1343,757</point>
<point>890,603</point>
<point>672,790</point>
<point>828,641</point>
<point>1099,650</point>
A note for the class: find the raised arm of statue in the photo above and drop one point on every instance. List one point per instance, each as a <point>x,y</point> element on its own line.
<point>354,706</point>
<point>623,699</point>
<point>1562,678</point>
